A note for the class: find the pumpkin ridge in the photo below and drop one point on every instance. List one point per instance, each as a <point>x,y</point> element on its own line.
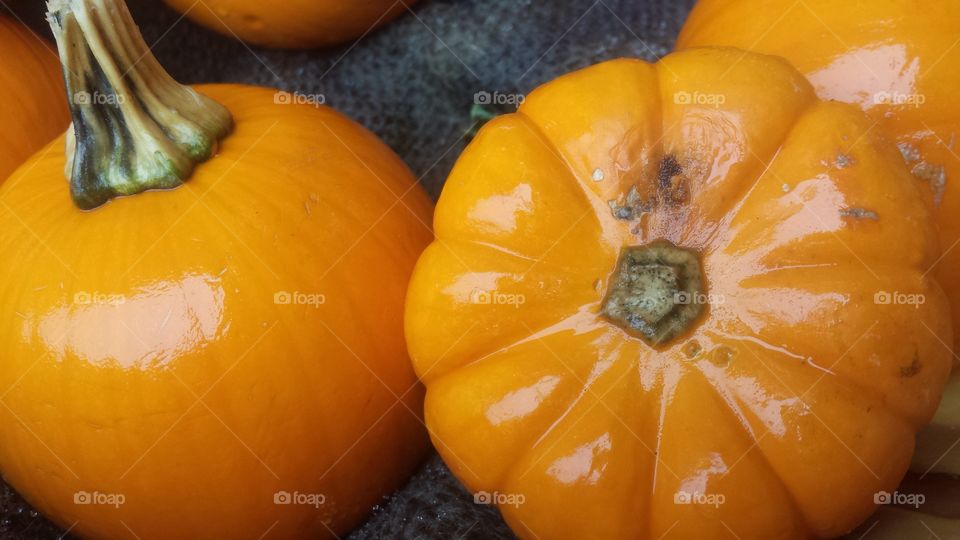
<point>606,221</point>
<point>739,416</point>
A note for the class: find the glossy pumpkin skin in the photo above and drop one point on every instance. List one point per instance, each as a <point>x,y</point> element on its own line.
<point>176,378</point>
<point>31,95</point>
<point>895,59</point>
<point>292,24</point>
<point>795,396</point>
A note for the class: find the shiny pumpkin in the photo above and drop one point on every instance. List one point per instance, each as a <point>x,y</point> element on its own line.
<point>194,360</point>
<point>897,60</point>
<point>31,95</point>
<point>202,349</point>
<point>292,24</point>
<point>780,408</point>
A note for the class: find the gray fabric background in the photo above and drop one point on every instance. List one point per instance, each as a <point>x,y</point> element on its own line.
<point>412,83</point>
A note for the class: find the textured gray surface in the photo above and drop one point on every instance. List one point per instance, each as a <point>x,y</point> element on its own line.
<point>412,83</point>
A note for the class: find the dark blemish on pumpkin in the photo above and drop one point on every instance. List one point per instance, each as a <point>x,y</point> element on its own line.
<point>859,213</point>
<point>913,368</point>
<point>844,160</point>
<point>630,208</point>
<point>671,182</point>
<point>935,175</point>
<point>692,349</point>
<point>669,167</point>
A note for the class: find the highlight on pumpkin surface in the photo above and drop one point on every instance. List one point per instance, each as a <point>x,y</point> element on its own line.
<point>704,296</point>
<point>197,352</point>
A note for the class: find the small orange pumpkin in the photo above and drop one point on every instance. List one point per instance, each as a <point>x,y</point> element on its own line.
<point>682,299</point>
<point>897,60</point>
<point>292,24</point>
<point>218,359</point>
<point>31,95</point>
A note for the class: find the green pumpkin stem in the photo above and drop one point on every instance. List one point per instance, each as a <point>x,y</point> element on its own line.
<point>134,127</point>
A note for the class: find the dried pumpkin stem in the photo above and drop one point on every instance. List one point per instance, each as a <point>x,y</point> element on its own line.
<point>134,127</point>
<point>656,292</point>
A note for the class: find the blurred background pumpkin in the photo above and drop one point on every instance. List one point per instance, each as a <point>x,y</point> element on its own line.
<point>292,24</point>
<point>32,106</point>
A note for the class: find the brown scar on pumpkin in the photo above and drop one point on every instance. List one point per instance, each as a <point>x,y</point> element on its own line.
<point>859,213</point>
<point>914,367</point>
<point>671,187</point>
<point>671,182</point>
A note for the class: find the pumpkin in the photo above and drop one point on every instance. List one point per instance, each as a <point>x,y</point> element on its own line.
<point>221,358</point>
<point>893,59</point>
<point>31,95</point>
<point>292,24</point>
<point>900,64</point>
<point>685,298</point>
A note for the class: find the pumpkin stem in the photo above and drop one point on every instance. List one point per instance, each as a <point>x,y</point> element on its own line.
<point>656,292</point>
<point>134,127</point>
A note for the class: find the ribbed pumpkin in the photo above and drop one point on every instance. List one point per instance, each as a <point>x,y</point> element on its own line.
<point>683,299</point>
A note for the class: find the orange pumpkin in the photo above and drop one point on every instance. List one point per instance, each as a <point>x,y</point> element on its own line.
<point>220,360</point>
<point>896,59</point>
<point>292,24</point>
<point>682,299</point>
<point>31,95</point>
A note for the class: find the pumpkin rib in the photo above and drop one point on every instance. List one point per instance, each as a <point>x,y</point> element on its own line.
<point>574,92</point>
<point>575,370</point>
<point>714,238</point>
<point>450,220</point>
<point>847,361</point>
<point>794,150</point>
<point>740,417</point>
<point>834,439</point>
<point>843,377</point>
<point>665,393</point>
<point>505,333</point>
<point>748,438</point>
<point>597,391</point>
<point>731,75</point>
